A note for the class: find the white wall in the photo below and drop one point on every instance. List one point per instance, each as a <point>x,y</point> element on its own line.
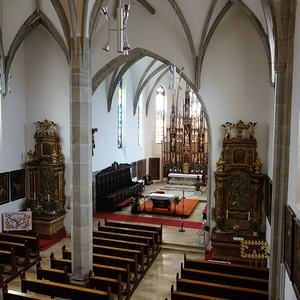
<point>106,151</point>
<point>47,93</point>
<point>235,83</point>
<point>12,148</point>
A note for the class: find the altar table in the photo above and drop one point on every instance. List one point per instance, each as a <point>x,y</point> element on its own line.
<point>161,200</point>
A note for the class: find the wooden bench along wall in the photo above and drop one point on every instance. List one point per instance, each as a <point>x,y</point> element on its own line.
<point>223,278</point>
<point>177,295</point>
<point>124,237</point>
<point>33,241</point>
<point>220,267</point>
<point>55,275</point>
<point>55,289</point>
<point>155,229</point>
<point>113,272</point>
<point>101,283</point>
<point>219,290</point>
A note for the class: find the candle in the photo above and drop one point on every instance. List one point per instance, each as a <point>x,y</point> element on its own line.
<point>226,213</point>
<point>48,197</point>
<point>34,195</point>
<point>183,191</point>
<point>248,215</point>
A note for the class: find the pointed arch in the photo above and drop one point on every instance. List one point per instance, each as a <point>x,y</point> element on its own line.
<point>159,78</point>
<point>139,91</point>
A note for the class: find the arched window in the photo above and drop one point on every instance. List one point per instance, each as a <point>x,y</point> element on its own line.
<point>120,114</point>
<point>160,113</point>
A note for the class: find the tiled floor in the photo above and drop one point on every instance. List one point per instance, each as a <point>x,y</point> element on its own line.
<point>157,282</point>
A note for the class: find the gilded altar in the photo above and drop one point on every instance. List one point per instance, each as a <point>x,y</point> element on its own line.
<point>185,143</point>
<point>46,170</point>
<point>239,195</point>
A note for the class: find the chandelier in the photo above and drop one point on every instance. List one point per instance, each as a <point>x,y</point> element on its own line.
<point>122,19</point>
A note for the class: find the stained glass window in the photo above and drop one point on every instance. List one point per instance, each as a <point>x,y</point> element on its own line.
<point>120,114</point>
<point>160,113</point>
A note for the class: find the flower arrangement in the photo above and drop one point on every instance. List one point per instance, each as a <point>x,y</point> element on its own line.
<point>135,203</point>
<point>176,199</point>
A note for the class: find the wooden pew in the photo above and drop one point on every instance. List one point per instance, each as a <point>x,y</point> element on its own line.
<point>9,258</point>
<point>33,241</point>
<point>121,252</point>
<point>124,244</point>
<point>66,252</point>
<point>101,283</point>
<point>60,263</point>
<point>21,250</point>
<point>13,295</point>
<point>55,289</point>
<point>155,229</point>
<point>125,237</point>
<point>55,275</point>
<point>113,272</point>
<point>219,290</point>
<point>220,267</point>
<point>177,295</point>
<point>109,260</point>
<point>223,278</point>
<point>115,261</point>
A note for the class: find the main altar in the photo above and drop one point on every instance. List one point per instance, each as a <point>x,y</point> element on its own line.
<point>239,195</point>
<point>185,143</point>
<point>46,170</point>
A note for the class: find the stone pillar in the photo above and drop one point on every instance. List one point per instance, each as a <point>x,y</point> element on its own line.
<point>284,21</point>
<point>81,159</point>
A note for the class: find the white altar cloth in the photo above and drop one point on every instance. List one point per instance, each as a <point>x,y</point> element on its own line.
<point>158,196</point>
<point>181,175</point>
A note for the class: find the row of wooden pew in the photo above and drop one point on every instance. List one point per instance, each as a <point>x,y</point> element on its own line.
<point>18,252</point>
<point>202,279</point>
<point>122,253</point>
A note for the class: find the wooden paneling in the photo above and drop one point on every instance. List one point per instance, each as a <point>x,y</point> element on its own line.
<point>134,169</point>
<point>141,168</point>
<point>154,166</point>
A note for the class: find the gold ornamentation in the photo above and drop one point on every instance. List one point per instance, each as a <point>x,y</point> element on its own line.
<point>254,249</point>
<point>250,129</point>
<point>220,165</point>
<point>240,126</point>
<point>227,130</point>
<point>257,166</point>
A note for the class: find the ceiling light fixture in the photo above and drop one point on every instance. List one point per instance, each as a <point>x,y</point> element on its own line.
<point>122,36</point>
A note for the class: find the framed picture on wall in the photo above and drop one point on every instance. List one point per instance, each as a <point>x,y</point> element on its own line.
<point>296,264</point>
<point>289,240</point>
<point>17,184</point>
<point>4,188</point>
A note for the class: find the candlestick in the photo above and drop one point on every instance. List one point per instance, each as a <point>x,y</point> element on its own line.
<point>48,197</point>
<point>182,191</point>
<point>226,213</point>
<point>34,195</point>
<point>248,215</point>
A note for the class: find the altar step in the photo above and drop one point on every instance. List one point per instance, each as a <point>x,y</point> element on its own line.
<point>177,187</point>
<point>185,248</point>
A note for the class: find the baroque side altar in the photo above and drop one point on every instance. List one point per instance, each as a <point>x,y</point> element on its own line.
<point>185,143</point>
<point>46,170</point>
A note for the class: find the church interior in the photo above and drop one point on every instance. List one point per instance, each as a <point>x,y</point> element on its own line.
<point>149,149</point>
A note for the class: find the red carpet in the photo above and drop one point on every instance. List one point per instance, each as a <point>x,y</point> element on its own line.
<point>189,206</point>
<point>138,219</point>
<point>47,243</point>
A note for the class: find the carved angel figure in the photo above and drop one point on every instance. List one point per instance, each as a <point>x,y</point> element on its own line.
<point>227,130</point>
<point>250,129</point>
<point>38,127</point>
